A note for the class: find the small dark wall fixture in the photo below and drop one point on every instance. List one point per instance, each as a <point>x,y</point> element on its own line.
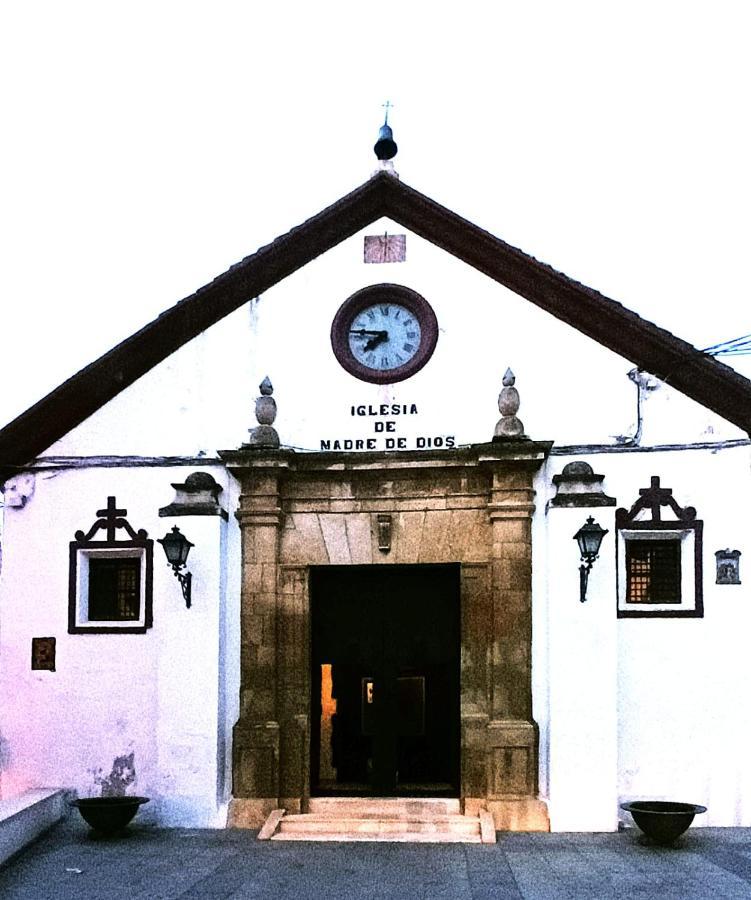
<point>384,533</point>
<point>198,495</point>
<point>728,566</point>
<point>176,549</point>
<point>43,653</point>
<point>578,485</point>
<point>589,538</point>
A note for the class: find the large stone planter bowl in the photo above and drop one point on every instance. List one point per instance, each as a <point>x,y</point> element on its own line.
<point>108,815</point>
<point>662,820</point>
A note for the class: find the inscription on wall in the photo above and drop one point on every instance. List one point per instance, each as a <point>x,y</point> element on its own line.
<point>387,420</point>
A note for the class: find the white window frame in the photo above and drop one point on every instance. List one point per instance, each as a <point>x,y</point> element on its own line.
<point>85,547</point>
<point>82,620</point>
<point>687,538</point>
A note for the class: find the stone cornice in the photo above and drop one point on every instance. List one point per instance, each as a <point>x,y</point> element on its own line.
<point>267,517</point>
<point>523,453</point>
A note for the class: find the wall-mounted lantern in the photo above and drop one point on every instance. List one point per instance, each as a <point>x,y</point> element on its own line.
<point>588,537</point>
<point>176,549</point>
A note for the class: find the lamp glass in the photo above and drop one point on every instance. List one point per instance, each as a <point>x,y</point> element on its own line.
<point>589,538</point>
<point>176,547</point>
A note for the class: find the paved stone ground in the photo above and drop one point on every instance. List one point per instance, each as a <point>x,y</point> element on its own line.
<point>190,864</point>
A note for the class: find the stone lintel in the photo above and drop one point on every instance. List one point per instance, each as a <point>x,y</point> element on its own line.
<point>173,510</point>
<point>247,460</point>
<point>482,731</point>
<point>513,452</point>
<point>268,517</point>
<point>511,733</point>
<point>581,501</point>
<point>510,510</point>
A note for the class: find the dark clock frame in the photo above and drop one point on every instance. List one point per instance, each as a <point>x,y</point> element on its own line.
<point>370,296</point>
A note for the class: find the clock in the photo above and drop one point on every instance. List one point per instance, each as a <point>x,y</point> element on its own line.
<point>384,333</point>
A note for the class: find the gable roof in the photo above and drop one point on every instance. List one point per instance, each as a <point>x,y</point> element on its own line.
<point>700,377</point>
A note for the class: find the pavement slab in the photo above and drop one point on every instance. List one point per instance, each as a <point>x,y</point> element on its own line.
<point>192,864</point>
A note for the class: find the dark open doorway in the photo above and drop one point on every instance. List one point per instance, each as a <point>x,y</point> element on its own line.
<point>385,680</point>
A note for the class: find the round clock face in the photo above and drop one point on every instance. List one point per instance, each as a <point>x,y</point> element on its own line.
<point>384,333</point>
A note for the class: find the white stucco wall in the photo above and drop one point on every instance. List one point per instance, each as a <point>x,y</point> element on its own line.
<point>647,708</point>
<point>483,328</point>
<point>626,708</point>
<point>167,696</point>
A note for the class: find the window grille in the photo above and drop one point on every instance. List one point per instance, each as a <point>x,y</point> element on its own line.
<point>653,571</point>
<point>114,589</point>
<point>659,557</point>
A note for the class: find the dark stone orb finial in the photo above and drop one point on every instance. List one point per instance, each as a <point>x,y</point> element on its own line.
<point>578,467</point>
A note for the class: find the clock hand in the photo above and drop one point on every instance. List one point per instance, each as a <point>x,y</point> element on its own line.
<point>363,331</point>
<point>380,338</point>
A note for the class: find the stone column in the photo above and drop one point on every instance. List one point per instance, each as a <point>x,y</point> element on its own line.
<point>510,511</point>
<point>255,760</point>
<point>476,613</point>
<point>511,733</point>
<point>293,691</point>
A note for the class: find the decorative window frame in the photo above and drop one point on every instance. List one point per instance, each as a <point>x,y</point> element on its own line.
<point>84,548</point>
<point>632,524</point>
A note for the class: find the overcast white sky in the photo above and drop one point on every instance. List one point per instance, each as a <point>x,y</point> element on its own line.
<point>147,146</point>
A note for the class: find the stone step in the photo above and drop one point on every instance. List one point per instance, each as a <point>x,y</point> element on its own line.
<point>411,837</point>
<point>403,819</point>
<point>384,807</point>
<point>312,823</point>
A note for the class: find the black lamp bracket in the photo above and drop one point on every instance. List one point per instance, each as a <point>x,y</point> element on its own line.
<point>185,579</point>
<point>584,570</point>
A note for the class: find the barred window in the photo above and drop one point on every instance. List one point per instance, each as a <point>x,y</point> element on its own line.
<point>110,576</point>
<point>114,589</point>
<point>653,570</point>
<point>659,557</point>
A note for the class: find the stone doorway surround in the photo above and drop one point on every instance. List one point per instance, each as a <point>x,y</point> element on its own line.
<point>471,506</point>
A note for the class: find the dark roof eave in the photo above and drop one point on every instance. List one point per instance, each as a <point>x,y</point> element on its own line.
<point>653,349</point>
<point>88,390</point>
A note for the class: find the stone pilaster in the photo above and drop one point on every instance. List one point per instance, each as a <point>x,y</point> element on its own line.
<point>510,511</point>
<point>256,737</point>
<point>511,738</point>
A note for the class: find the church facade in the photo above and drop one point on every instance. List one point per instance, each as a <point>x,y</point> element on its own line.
<point>388,439</point>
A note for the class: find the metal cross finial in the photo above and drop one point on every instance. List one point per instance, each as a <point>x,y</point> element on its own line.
<point>656,496</point>
<point>387,106</point>
<point>111,517</point>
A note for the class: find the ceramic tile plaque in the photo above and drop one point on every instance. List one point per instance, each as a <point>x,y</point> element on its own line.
<point>728,566</point>
<point>385,248</point>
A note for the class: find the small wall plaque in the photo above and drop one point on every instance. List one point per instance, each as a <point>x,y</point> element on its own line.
<point>384,533</point>
<point>728,566</point>
<point>43,653</point>
<point>385,248</point>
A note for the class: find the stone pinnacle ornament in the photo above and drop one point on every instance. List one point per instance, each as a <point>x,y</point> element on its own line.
<point>264,436</point>
<point>508,426</point>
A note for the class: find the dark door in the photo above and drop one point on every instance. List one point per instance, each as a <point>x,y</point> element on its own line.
<point>385,680</point>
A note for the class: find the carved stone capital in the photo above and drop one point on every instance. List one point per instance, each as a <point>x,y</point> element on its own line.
<point>511,510</point>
